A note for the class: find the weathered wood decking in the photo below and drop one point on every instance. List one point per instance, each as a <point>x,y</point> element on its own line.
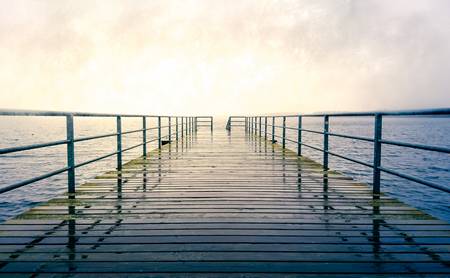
<point>215,205</point>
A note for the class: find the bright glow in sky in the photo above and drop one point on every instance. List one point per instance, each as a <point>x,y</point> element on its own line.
<point>224,57</point>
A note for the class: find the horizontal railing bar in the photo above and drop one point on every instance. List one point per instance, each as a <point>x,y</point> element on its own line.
<point>95,159</point>
<point>312,147</point>
<point>94,137</point>
<point>151,128</point>
<point>351,159</point>
<point>418,112</point>
<point>132,147</point>
<point>110,135</point>
<point>32,180</point>
<point>350,136</point>
<point>416,146</point>
<point>279,126</point>
<point>32,147</point>
<point>132,131</point>
<point>290,140</point>
<point>416,179</point>
<point>152,140</point>
<point>291,128</point>
<point>312,131</point>
<point>12,112</point>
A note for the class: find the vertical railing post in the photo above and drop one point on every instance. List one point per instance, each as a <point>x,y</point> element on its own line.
<point>260,126</point>
<point>144,136</point>
<point>245,124</point>
<point>251,125</point>
<point>119,143</point>
<point>377,153</point>
<point>159,132</point>
<point>299,136</point>
<point>273,129</point>
<point>170,129</point>
<point>284,132</point>
<point>70,154</point>
<point>212,124</point>
<point>326,124</point>
<point>254,125</point>
<point>265,128</point>
<point>176,128</point>
<point>182,127</point>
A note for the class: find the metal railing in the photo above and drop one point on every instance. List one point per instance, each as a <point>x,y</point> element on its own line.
<point>259,125</point>
<point>235,119</point>
<point>204,121</point>
<point>183,126</point>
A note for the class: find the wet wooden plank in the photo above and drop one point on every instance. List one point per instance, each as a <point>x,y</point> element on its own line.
<point>222,205</point>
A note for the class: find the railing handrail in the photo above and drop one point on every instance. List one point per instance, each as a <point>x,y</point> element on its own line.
<point>410,112</point>
<point>189,124</point>
<point>255,125</point>
<point>24,112</point>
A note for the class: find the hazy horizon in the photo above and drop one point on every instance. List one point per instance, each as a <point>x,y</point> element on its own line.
<point>224,57</point>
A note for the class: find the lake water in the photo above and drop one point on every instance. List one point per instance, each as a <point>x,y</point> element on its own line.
<point>17,131</point>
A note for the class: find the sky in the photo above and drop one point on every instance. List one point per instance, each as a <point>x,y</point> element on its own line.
<point>225,57</point>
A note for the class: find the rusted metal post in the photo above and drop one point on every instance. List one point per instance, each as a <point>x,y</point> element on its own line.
<point>119,143</point>
<point>70,154</point>
<point>377,154</point>
<point>326,124</point>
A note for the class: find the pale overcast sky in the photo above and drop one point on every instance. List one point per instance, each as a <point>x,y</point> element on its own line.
<point>224,57</point>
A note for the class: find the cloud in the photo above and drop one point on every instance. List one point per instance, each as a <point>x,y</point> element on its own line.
<point>224,56</point>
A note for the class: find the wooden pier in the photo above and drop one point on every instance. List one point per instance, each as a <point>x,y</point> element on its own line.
<point>220,204</point>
